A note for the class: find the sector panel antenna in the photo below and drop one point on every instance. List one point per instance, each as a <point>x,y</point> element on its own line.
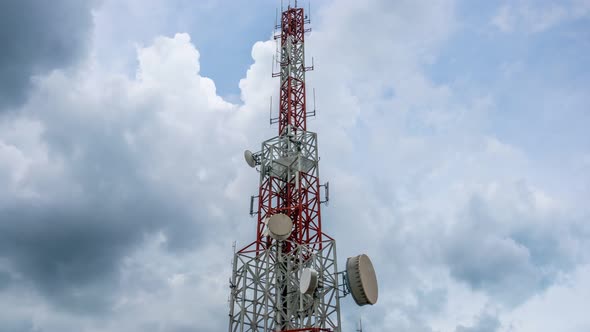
<point>265,232</point>
<point>249,156</point>
<point>362,280</point>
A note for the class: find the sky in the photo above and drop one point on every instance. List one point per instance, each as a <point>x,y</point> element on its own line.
<point>454,135</point>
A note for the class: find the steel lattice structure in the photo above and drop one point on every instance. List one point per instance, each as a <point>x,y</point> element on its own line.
<point>264,286</point>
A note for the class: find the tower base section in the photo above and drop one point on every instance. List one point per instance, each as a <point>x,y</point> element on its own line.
<point>265,293</point>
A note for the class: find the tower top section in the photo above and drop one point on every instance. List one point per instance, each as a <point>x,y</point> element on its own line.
<point>293,100</point>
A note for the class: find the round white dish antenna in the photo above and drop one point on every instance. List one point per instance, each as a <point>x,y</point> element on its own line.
<point>249,156</point>
<point>362,280</point>
<point>280,226</point>
<point>309,281</point>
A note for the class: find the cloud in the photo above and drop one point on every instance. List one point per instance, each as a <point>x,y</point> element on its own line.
<point>534,18</point>
<point>485,323</point>
<point>511,238</point>
<point>37,38</point>
<point>99,180</point>
<point>16,326</point>
<point>560,307</point>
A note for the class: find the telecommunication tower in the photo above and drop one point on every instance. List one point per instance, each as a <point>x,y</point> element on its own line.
<point>287,279</point>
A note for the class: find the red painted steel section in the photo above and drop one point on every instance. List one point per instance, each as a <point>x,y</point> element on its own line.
<point>300,202</point>
<point>292,97</point>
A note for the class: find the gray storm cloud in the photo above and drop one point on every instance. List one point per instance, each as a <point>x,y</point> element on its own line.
<point>66,231</point>
<point>37,37</point>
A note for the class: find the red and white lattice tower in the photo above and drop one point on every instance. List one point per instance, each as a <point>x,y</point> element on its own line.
<point>287,279</point>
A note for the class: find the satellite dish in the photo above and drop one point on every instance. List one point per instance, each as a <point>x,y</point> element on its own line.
<point>309,281</point>
<point>362,280</point>
<point>280,226</point>
<point>249,156</point>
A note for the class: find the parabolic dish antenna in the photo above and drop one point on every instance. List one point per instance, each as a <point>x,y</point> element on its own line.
<point>280,226</point>
<point>309,281</point>
<point>362,280</point>
<point>249,156</point>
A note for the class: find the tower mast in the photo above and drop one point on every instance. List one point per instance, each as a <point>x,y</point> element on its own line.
<point>287,279</point>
